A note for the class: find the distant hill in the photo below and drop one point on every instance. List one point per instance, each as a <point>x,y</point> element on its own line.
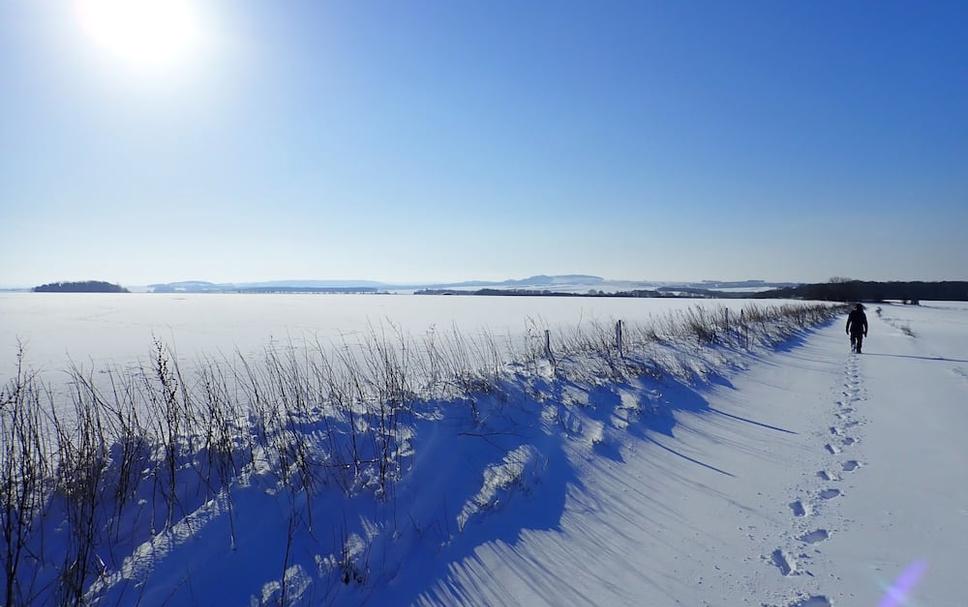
<point>320,290</point>
<point>544,279</point>
<point>272,286</point>
<point>538,280</point>
<point>85,286</point>
<point>742,284</point>
<point>545,293</point>
<point>313,284</point>
<point>187,286</point>
<point>357,286</point>
<point>570,283</point>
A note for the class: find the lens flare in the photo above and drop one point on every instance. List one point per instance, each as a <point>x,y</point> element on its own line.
<point>898,592</point>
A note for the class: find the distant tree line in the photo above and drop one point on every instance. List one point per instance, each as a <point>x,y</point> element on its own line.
<point>84,286</point>
<point>546,293</point>
<point>315,290</point>
<point>863,290</point>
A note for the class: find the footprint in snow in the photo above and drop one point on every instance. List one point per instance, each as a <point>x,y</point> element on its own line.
<point>817,600</point>
<point>833,449</point>
<point>850,465</point>
<point>784,562</point>
<point>849,440</point>
<point>829,494</point>
<point>814,537</point>
<point>799,508</point>
<point>827,476</point>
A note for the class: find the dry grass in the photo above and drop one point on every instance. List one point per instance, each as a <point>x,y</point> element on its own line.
<point>137,451</point>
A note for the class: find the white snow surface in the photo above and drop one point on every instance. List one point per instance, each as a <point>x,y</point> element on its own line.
<point>98,329</point>
<point>802,476</point>
<point>735,499</point>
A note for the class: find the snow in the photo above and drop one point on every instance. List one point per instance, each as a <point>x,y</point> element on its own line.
<point>97,329</point>
<point>519,470</point>
<point>723,505</point>
<point>794,476</point>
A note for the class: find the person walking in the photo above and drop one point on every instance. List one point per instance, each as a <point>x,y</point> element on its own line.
<point>857,328</point>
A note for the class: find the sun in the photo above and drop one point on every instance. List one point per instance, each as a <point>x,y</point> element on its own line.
<point>143,33</point>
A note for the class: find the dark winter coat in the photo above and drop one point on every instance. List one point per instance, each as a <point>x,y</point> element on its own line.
<point>857,322</point>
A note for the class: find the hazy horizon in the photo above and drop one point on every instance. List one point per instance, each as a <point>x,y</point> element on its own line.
<point>424,283</point>
<point>431,142</point>
<point>391,283</point>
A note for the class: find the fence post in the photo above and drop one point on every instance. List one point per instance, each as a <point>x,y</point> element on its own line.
<point>618,338</point>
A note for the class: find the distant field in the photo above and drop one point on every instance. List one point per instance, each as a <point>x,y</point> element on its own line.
<point>109,328</point>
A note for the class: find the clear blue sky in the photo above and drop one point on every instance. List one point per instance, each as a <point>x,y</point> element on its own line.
<point>417,140</point>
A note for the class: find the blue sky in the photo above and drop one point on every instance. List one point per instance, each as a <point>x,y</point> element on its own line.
<point>407,141</point>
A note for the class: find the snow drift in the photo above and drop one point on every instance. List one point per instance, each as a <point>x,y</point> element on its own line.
<point>350,474</point>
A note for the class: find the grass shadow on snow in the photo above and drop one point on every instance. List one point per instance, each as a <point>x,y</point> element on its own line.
<point>456,465</point>
<point>644,409</point>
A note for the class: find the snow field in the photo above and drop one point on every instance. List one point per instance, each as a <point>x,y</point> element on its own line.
<point>99,330</point>
<point>816,478</point>
<point>309,479</point>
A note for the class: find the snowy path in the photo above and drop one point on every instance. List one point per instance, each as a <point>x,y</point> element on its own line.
<point>908,508</point>
<point>814,479</point>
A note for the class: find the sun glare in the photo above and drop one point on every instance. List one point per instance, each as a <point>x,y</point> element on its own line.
<point>143,33</point>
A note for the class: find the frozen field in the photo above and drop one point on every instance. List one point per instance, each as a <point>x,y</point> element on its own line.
<point>789,473</point>
<point>118,329</point>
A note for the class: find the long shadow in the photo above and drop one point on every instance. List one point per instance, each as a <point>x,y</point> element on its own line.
<point>751,421</point>
<point>691,459</point>
<point>454,469</point>
<point>935,358</point>
<point>676,396</point>
<point>797,340</point>
<point>430,568</point>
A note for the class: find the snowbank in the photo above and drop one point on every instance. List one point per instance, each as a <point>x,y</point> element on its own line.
<point>313,477</point>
